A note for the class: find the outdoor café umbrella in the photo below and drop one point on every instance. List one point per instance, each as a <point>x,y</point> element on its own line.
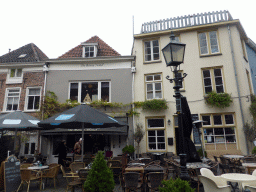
<point>80,117</point>
<point>18,121</point>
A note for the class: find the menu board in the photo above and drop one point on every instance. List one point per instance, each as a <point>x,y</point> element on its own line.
<point>11,174</point>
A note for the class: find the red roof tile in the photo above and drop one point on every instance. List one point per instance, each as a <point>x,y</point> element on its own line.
<point>103,49</point>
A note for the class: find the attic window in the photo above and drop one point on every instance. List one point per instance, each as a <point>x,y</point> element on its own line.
<point>22,55</point>
<point>90,49</point>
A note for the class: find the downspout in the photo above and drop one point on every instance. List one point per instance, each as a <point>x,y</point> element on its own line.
<point>133,69</point>
<point>45,70</point>
<point>237,84</point>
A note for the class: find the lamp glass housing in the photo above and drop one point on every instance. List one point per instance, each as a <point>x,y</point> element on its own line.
<point>174,53</point>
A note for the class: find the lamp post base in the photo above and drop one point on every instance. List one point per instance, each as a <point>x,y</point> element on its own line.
<point>183,168</point>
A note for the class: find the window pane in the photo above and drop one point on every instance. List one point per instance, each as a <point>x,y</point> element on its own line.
<point>158,86</point>
<point>158,95</point>
<point>149,78</point>
<point>160,139</point>
<point>149,95</point>
<point>230,139</point>
<point>105,91</point>
<point>229,131</point>
<point>161,146</point>
<point>157,77</point>
<point>74,91</point>
<point>89,92</point>
<point>208,89</point>
<point>149,87</point>
<point>33,147</point>
<point>152,146</point>
<point>207,119</point>
<point>214,42</point>
<point>151,133</point>
<point>12,74</point>
<point>219,89</point>
<point>203,43</point>
<point>207,82</point>
<point>30,102</point>
<point>229,119</point>
<point>155,123</point>
<point>217,73</point>
<point>206,73</point>
<point>218,131</point>
<point>19,72</point>
<point>217,120</point>
<point>152,139</point>
<point>26,148</point>
<point>160,133</point>
<point>34,91</point>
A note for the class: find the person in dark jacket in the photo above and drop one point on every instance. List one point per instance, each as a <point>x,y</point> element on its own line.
<point>62,152</point>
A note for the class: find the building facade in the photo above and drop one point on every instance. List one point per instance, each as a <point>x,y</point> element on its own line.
<point>91,72</point>
<point>215,60</point>
<point>22,87</point>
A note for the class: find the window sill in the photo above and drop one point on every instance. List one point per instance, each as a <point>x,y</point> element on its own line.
<point>152,62</point>
<point>210,55</point>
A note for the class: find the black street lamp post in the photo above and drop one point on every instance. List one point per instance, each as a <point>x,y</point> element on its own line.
<point>174,56</point>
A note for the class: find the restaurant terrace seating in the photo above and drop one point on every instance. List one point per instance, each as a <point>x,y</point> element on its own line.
<point>131,181</point>
<point>154,180</point>
<point>51,173</point>
<point>75,166</point>
<point>71,180</point>
<point>27,177</point>
<point>209,174</point>
<point>211,186</point>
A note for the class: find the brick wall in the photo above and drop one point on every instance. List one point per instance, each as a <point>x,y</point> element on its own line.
<point>30,79</point>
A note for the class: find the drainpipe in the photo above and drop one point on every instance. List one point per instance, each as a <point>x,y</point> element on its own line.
<point>237,84</point>
<point>133,69</point>
<point>45,70</point>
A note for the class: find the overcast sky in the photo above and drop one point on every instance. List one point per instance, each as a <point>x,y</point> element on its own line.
<point>56,26</point>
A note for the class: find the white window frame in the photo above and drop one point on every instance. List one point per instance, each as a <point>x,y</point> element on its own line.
<point>156,129</point>
<point>90,45</point>
<point>208,43</point>
<point>80,89</point>
<point>6,97</point>
<point>29,148</point>
<point>152,58</point>
<point>212,79</point>
<point>27,98</point>
<point>15,79</point>
<point>212,138</point>
<point>153,83</point>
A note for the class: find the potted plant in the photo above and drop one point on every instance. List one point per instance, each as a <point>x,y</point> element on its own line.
<point>100,177</point>
<point>176,185</point>
<point>128,149</point>
<point>220,100</point>
<point>155,105</point>
<point>138,135</point>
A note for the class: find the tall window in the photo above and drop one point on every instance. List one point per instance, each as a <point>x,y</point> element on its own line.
<point>33,98</point>
<point>29,148</point>
<point>151,50</point>
<point>89,91</point>
<point>208,42</point>
<point>12,99</point>
<point>156,134</point>
<point>219,129</point>
<point>153,86</point>
<point>213,80</point>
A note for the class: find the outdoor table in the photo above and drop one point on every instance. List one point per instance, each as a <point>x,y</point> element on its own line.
<point>249,165</point>
<point>233,156</point>
<point>136,164</point>
<point>238,178</point>
<point>197,165</point>
<point>144,158</point>
<point>39,170</point>
<point>153,169</point>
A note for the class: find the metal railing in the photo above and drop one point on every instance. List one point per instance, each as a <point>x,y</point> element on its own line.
<point>186,21</point>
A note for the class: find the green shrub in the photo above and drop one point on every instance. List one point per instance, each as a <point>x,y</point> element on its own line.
<point>155,104</point>
<point>254,151</point>
<point>128,149</point>
<point>100,177</point>
<point>176,185</point>
<point>200,152</point>
<point>220,100</point>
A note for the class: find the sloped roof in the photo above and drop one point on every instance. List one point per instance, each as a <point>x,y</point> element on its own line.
<point>103,49</point>
<point>27,53</point>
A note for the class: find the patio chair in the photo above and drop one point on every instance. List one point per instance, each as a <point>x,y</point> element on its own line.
<point>25,165</point>
<point>251,187</point>
<point>170,167</point>
<point>71,180</point>
<point>210,186</point>
<point>224,166</point>
<point>209,174</point>
<point>131,181</point>
<point>27,177</point>
<point>193,173</point>
<point>51,173</point>
<point>75,166</point>
<point>116,167</point>
<point>154,180</point>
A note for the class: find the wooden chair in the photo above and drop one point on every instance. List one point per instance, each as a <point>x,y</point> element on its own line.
<point>75,166</point>
<point>51,173</point>
<point>25,165</point>
<point>211,186</point>
<point>116,167</point>
<point>131,181</point>
<point>72,181</point>
<point>27,177</point>
<point>154,180</point>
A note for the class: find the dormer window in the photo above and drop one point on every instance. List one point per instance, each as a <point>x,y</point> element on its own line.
<point>90,49</point>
